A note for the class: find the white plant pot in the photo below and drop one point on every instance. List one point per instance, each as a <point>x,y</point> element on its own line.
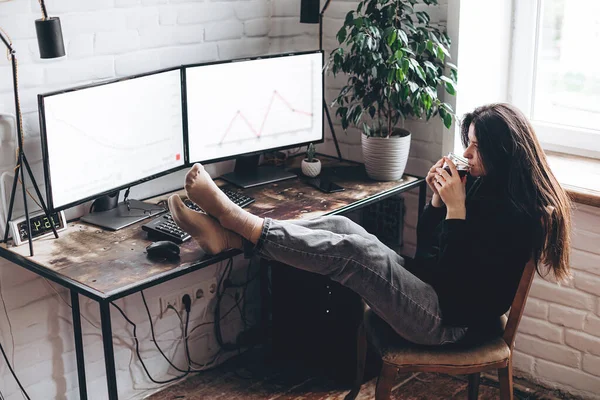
<point>311,169</point>
<point>385,158</point>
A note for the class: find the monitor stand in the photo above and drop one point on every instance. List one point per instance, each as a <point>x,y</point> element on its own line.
<point>247,173</point>
<point>119,216</point>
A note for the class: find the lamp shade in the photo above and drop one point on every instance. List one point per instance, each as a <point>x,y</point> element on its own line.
<point>50,38</point>
<point>309,11</point>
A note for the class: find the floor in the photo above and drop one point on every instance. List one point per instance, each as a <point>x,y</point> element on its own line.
<point>250,377</point>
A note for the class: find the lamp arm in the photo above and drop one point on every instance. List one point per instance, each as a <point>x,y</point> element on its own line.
<point>325,7</point>
<point>321,24</point>
<point>6,41</point>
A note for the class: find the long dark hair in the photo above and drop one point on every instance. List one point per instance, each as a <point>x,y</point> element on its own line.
<point>512,157</point>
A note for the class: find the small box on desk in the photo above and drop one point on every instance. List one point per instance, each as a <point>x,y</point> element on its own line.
<point>314,321</point>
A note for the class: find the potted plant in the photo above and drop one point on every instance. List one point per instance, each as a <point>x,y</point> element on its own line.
<point>395,62</point>
<point>311,166</point>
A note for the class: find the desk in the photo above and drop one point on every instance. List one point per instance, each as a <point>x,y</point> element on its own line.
<point>105,266</point>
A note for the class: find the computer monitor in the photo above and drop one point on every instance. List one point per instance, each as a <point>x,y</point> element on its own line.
<point>101,138</point>
<point>248,106</point>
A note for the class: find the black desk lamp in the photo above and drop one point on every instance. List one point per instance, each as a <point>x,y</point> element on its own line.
<point>50,41</point>
<point>310,14</point>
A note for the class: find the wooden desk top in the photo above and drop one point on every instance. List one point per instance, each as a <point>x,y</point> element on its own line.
<point>107,265</point>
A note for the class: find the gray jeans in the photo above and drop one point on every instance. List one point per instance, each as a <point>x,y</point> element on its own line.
<point>344,251</point>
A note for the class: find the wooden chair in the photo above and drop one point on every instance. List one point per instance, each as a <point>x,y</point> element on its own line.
<point>398,355</point>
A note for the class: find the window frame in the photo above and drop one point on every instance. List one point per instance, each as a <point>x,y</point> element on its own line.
<point>524,49</point>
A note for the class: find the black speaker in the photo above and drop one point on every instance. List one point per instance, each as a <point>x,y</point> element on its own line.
<point>309,11</point>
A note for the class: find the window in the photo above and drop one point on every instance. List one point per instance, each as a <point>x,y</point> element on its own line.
<point>554,76</point>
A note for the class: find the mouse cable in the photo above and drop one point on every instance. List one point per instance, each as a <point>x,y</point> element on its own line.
<point>137,351</point>
<point>13,373</point>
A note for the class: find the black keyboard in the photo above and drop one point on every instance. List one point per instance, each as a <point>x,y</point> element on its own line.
<point>164,227</point>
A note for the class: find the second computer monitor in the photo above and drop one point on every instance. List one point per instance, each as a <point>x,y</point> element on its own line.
<point>249,106</point>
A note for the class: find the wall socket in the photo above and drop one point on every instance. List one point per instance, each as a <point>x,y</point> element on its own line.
<point>203,291</point>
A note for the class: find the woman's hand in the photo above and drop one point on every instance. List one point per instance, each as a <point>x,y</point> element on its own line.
<point>436,201</point>
<point>451,189</point>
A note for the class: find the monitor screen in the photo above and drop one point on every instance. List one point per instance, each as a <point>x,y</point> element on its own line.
<point>105,137</point>
<point>248,106</point>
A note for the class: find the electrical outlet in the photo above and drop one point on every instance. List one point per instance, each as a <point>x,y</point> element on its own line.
<point>173,300</point>
<point>205,290</point>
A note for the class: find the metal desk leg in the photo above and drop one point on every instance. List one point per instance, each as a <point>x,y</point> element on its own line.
<point>109,353</point>
<point>422,194</point>
<point>78,345</point>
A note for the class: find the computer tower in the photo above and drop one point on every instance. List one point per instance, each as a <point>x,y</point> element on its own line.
<point>314,321</point>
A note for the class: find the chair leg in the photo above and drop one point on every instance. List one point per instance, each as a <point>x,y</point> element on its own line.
<point>385,382</point>
<point>474,386</point>
<point>505,378</point>
<point>361,358</point>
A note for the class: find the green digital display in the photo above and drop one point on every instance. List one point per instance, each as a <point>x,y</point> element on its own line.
<point>40,225</point>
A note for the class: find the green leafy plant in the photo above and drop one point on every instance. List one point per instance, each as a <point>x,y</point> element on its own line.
<point>310,153</point>
<point>395,61</point>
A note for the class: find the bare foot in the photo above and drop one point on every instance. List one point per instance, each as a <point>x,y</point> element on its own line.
<point>201,189</point>
<point>209,234</point>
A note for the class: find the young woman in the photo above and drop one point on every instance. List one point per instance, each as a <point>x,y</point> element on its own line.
<point>474,238</point>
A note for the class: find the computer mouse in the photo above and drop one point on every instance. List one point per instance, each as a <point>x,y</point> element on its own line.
<point>163,249</point>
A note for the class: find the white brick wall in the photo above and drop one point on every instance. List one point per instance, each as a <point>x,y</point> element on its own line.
<point>558,344</point>
<point>559,341</point>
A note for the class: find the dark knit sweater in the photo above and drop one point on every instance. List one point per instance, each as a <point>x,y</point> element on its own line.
<point>474,264</point>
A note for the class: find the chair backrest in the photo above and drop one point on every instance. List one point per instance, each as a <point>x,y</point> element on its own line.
<point>518,304</point>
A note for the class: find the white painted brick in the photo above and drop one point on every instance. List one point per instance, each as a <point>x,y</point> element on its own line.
<point>548,351</point>
<point>142,18</point>
<point>566,316</point>
<point>286,8</point>
<point>552,292</point>
<point>591,364</point>
<point>116,42</point>
<point>15,7</point>
<point>153,2</point>
<point>585,261</point>
<point>338,10</point>
<point>570,377</point>
<point>586,241</point>
<point>202,13</point>
<point>72,6</point>
<point>541,329</point>
<point>138,62</point>
<point>523,362</point>
<point>587,282</point>
<point>536,308</point>
<point>188,54</point>
<point>425,150</point>
<point>242,48</point>
<point>18,26</point>
<point>157,37</point>
<point>598,307</point>
<point>100,21</point>
<point>584,219</point>
<point>127,3</point>
<point>76,71</point>
<point>245,10</point>
<point>331,27</point>
<point>417,166</point>
<point>223,30</point>
<point>287,26</point>
<point>189,34</point>
<point>80,46</point>
<point>583,341</point>
<point>167,15</point>
<point>592,325</point>
<point>256,27</point>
